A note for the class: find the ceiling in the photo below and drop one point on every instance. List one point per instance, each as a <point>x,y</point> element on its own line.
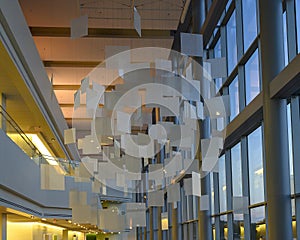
<point>67,61</point>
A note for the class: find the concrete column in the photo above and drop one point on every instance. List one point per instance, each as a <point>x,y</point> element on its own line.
<point>275,123</point>
<point>204,223</point>
<point>65,235</point>
<point>3,226</point>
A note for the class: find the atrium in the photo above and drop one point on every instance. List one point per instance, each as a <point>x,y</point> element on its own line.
<point>149,119</point>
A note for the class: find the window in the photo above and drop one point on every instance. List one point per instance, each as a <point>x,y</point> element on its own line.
<point>231,43</point>
<point>298,23</point>
<point>285,41</point>
<point>252,77</point>
<point>236,166</point>
<point>256,170</point>
<point>224,226</point>
<point>258,219</point>
<point>249,22</point>
<point>290,140</point>
<point>212,193</point>
<point>218,54</point>
<point>222,185</point>
<point>234,98</point>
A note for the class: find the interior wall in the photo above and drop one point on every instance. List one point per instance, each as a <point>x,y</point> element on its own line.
<point>33,231</point>
<point>19,231</point>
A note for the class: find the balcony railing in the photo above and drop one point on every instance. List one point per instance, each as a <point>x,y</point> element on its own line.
<point>17,135</point>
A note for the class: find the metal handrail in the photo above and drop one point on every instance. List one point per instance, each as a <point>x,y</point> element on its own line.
<point>31,145</point>
<point>16,127</point>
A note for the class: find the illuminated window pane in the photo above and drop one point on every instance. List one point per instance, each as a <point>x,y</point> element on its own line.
<point>236,165</point>
<point>298,22</point>
<point>222,185</point>
<point>256,171</point>
<point>285,41</point>
<point>290,139</point>
<point>231,43</point>
<point>212,200</point>
<point>252,77</point>
<point>249,22</point>
<point>234,98</point>
<point>258,220</point>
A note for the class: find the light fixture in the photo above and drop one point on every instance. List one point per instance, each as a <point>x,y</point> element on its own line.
<point>36,140</point>
<point>44,219</point>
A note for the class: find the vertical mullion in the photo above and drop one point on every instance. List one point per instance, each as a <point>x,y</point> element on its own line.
<point>228,175</point>
<point>217,205</point>
<point>245,186</point>
<point>240,52</point>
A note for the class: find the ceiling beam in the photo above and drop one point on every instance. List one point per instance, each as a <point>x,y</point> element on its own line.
<point>76,64</point>
<point>103,33</point>
<point>75,87</point>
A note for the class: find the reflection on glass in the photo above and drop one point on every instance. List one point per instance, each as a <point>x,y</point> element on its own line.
<point>285,41</point>
<point>214,232</point>
<point>258,226</point>
<point>218,84</point>
<point>212,193</point>
<point>256,171</point>
<point>298,22</point>
<point>252,77</point>
<point>223,227</point>
<point>236,166</point>
<point>217,49</point>
<point>294,230</point>
<point>231,43</point>
<point>218,54</point>
<point>238,227</point>
<point>290,140</point>
<point>293,203</point>
<point>222,184</point>
<point>249,22</point>
<point>234,98</point>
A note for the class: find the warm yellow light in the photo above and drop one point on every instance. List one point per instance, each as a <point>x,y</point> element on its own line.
<point>38,224</point>
<point>41,147</point>
<point>259,171</point>
<point>164,224</point>
<point>224,188</point>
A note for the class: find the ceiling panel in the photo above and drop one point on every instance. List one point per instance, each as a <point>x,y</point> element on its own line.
<point>89,49</point>
<point>155,14</point>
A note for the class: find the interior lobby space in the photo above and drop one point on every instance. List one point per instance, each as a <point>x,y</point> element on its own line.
<point>149,119</point>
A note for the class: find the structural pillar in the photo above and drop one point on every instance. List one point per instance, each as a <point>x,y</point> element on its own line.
<point>3,226</point>
<point>204,223</point>
<point>275,124</point>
